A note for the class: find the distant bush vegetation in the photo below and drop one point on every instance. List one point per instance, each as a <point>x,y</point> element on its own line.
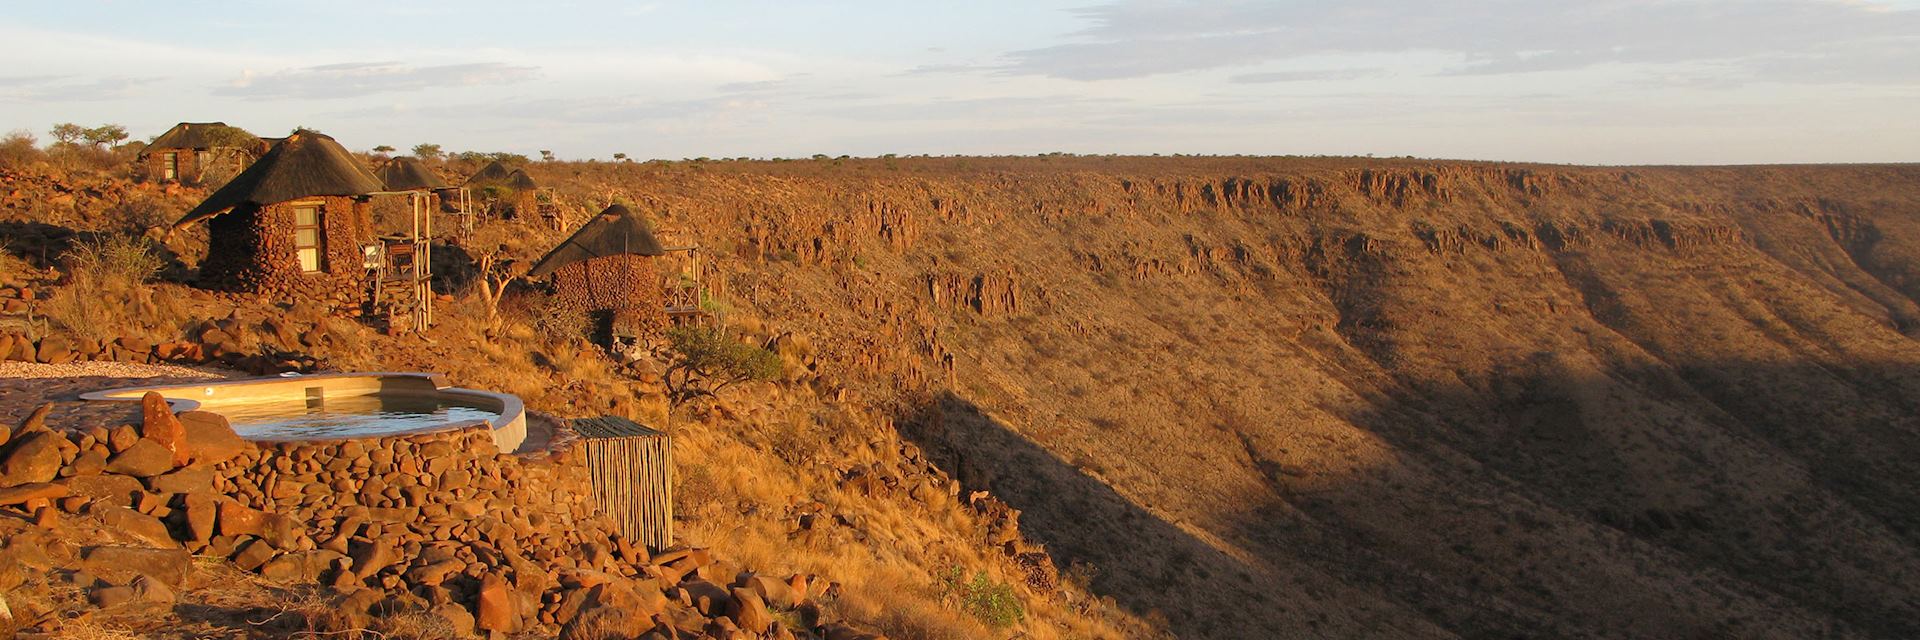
<point>990,602</point>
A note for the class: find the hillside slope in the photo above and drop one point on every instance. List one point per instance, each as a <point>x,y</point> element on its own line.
<point>1377,398</point>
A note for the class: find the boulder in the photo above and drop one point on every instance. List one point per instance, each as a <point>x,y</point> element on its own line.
<point>775,593</point>
<point>495,609</point>
<point>149,589</point>
<point>157,423</point>
<point>237,519</point>
<point>169,566</point>
<point>210,440</point>
<point>110,490</point>
<point>456,618</point>
<point>254,555</point>
<point>145,459</point>
<point>192,480</point>
<point>140,526</point>
<point>201,511</point>
<point>121,437</point>
<point>108,597</point>
<point>434,573</point>
<point>22,494</point>
<point>34,457</point>
<point>748,611</point>
<point>89,463</point>
<point>370,558</point>
<point>300,566</point>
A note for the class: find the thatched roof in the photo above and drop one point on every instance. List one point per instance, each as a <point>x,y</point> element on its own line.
<point>203,135</point>
<point>406,173</point>
<point>305,164</point>
<point>492,175</point>
<point>520,181</point>
<point>615,231</point>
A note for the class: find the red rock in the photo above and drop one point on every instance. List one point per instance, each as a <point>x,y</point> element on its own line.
<point>141,526</point>
<point>201,513</point>
<point>210,440</point>
<point>748,611</point>
<point>159,425</point>
<point>495,610</point>
<point>35,457</point>
<point>236,519</point>
<point>166,565</point>
<point>37,491</point>
<point>145,459</point>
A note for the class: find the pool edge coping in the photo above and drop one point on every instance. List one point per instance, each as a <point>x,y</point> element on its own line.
<point>513,411</point>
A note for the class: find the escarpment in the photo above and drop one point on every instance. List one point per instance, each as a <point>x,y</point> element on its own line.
<point>1367,398</point>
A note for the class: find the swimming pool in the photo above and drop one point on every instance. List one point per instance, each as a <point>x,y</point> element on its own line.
<point>342,406</point>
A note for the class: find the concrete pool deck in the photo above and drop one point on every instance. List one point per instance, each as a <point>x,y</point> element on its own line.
<point>509,429</point>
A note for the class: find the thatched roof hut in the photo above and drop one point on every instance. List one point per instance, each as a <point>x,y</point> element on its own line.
<point>193,152</point>
<point>520,181</point>
<point>192,136</point>
<point>291,224</point>
<point>492,175</point>
<point>407,173</point>
<point>608,266</point>
<point>616,231</point>
<point>306,164</point>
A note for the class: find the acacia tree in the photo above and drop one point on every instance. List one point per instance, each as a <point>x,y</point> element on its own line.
<point>709,359</point>
<point>105,135</point>
<point>67,133</point>
<point>426,151</point>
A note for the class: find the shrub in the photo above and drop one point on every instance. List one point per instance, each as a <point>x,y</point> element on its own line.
<point>104,296</point>
<point>19,149</point>
<point>709,359</point>
<point>990,602</point>
<point>121,259</point>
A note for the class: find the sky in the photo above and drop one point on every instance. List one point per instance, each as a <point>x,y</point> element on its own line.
<point>1587,81</point>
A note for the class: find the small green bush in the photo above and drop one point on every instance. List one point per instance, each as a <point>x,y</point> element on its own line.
<point>990,602</point>
<point>708,359</point>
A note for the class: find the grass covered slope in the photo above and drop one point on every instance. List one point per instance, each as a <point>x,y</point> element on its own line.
<point>1380,397</point>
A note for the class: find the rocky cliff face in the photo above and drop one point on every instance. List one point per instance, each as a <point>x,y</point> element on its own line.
<point>1378,398</point>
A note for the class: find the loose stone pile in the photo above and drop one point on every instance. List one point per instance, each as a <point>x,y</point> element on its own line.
<point>437,524</point>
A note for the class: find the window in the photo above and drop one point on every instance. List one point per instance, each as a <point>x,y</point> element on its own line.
<point>200,158</point>
<point>310,236</point>
<point>170,166</point>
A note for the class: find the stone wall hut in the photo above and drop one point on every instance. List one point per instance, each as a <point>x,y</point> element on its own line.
<point>407,173</point>
<point>510,193</point>
<point>194,153</point>
<point>607,269</point>
<point>292,225</point>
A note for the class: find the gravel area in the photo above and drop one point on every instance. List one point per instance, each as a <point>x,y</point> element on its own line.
<point>25,385</point>
<point>104,370</point>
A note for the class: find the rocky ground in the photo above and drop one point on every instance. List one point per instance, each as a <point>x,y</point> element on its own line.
<point>1337,397</point>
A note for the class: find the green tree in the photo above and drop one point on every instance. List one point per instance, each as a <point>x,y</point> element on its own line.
<point>620,156</point>
<point>709,359</point>
<point>105,135</point>
<point>426,151</point>
<point>384,149</point>
<point>67,133</point>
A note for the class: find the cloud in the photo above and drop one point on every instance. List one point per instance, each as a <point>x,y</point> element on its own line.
<point>1136,38</point>
<point>353,79</point>
<point>53,88</point>
<point>1304,76</point>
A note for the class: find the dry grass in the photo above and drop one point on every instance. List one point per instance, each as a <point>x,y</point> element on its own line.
<point>106,293</point>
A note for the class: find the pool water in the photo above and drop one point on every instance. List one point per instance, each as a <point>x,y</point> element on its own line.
<point>346,416</point>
